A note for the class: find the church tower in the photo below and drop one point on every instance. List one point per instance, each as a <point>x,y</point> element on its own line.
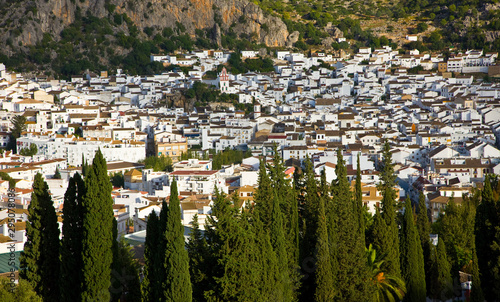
<point>256,110</point>
<point>224,81</point>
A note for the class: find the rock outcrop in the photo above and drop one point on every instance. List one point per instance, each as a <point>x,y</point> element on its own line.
<point>26,22</point>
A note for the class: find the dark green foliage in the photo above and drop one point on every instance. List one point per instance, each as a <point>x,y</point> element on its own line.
<point>441,282</point>
<point>57,174</point>
<point>177,282</point>
<point>351,280</point>
<point>412,258</point>
<point>488,239</point>
<point>32,150</point>
<point>125,275</point>
<point>18,126</point>
<point>385,232</point>
<point>158,163</point>
<point>358,202</point>
<point>198,261</point>
<point>228,157</point>
<point>5,176</point>
<point>71,248</point>
<point>117,180</point>
<point>97,232</point>
<point>456,228</point>
<point>325,280</point>
<point>151,284</point>
<point>476,294</point>
<point>424,230</point>
<point>40,259</point>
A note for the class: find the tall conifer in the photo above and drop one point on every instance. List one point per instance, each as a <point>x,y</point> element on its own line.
<point>71,248</point>
<point>198,252</point>
<point>325,285</point>
<point>151,284</point>
<point>488,241</point>
<point>97,232</point>
<point>412,259</point>
<point>40,259</point>
<point>352,279</point>
<point>424,230</point>
<point>177,282</point>
<point>359,200</point>
<point>441,281</point>
<point>476,294</point>
<point>386,235</point>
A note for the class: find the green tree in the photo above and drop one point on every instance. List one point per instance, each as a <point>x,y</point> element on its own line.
<point>177,282</point>
<point>125,275</point>
<point>358,195</point>
<point>40,259</point>
<point>412,258</point>
<point>441,281</point>
<point>385,235</point>
<point>151,284</point>
<point>198,252</point>
<point>57,174</point>
<point>424,231</point>
<point>71,247</point>
<point>488,240</point>
<point>350,251</point>
<point>97,232</point>
<point>476,294</point>
<point>325,284</point>
<point>18,127</point>
<point>23,291</point>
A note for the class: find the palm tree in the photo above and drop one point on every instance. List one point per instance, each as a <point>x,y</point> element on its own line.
<point>387,288</point>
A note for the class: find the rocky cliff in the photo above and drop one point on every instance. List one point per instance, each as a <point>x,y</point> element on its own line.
<point>25,22</point>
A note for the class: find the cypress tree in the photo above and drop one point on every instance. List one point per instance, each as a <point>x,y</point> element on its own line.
<point>177,283</point>
<point>488,241</point>
<point>151,284</point>
<point>198,253</point>
<point>324,276</point>
<point>262,199</point>
<point>441,281</point>
<point>310,226</point>
<point>412,259</point>
<point>386,237</point>
<point>39,261</point>
<point>284,279</point>
<point>71,248</point>
<point>352,279</point>
<point>424,230</point>
<point>97,240</point>
<point>359,200</point>
<point>476,294</point>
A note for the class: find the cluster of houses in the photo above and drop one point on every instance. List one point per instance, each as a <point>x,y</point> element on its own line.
<point>442,127</point>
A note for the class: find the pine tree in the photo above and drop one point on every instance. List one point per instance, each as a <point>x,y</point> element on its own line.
<point>441,281</point>
<point>234,255</point>
<point>309,231</point>
<point>177,282</point>
<point>476,294</point>
<point>198,253</point>
<point>424,230</point>
<point>284,285</point>
<point>71,248</point>
<point>359,201</point>
<point>412,259</point>
<point>488,241</point>
<point>262,199</point>
<point>352,277</point>
<point>386,237</point>
<point>39,261</point>
<point>151,284</point>
<point>97,232</point>
<point>325,285</point>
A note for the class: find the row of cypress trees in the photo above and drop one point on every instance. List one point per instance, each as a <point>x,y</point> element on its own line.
<point>79,267</point>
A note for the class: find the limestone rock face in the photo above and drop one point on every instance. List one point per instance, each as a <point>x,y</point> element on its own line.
<point>40,16</point>
<point>292,38</point>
